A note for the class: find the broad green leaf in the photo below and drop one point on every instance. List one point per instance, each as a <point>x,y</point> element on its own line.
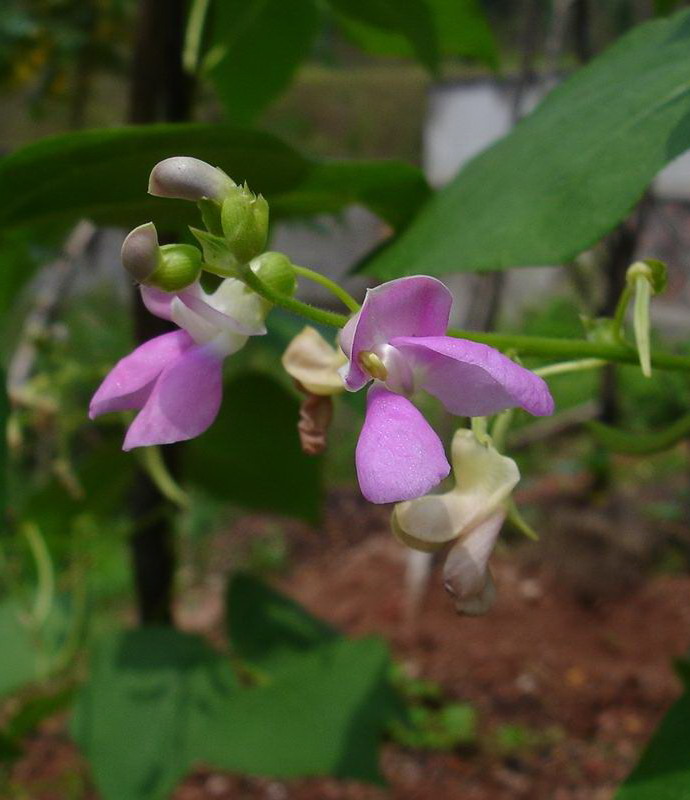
<point>640,443</point>
<point>664,769</point>
<point>102,175</point>
<point>325,715</point>
<point>569,172</point>
<point>251,455</point>
<point>139,714</point>
<point>461,30</point>
<point>266,628</point>
<point>4,413</point>
<point>27,655</point>
<point>413,20</point>
<point>159,701</point>
<point>393,190</point>
<point>256,48</point>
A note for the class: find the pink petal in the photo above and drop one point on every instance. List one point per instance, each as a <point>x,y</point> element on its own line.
<point>414,306</point>
<point>399,456</point>
<point>159,302</point>
<point>473,379</point>
<point>130,381</point>
<point>183,403</point>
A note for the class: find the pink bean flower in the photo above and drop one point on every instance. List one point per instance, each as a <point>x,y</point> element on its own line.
<point>398,339</point>
<point>175,380</point>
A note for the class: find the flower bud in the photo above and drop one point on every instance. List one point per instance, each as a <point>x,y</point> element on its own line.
<point>276,271</point>
<point>171,267</point>
<point>646,278</point>
<point>180,267</point>
<point>140,252</point>
<point>188,178</point>
<point>244,217</point>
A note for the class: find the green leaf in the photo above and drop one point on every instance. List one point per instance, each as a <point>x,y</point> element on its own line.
<point>664,769</point>
<point>27,656</point>
<point>322,715</point>
<point>460,26</point>
<point>266,628</point>
<point>139,716</point>
<point>640,442</point>
<point>257,45</point>
<point>393,190</point>
<point>251,455</point>
<point>102,175</point>
<point>569,172</point>
<point>411,20</point>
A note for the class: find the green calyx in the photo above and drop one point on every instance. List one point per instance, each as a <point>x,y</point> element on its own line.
<point>244,219</point>
<point>276,272</point>
<point>179,266</point>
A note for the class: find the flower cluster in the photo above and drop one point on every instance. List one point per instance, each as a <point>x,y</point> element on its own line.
<point>397,343</point>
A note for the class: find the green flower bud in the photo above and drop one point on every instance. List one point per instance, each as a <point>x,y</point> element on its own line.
<point>189,178</point>
<point>646,278</point>
<point>276,271</point>
<point>171,267</point>
<point>244,217</point>
<point>180,267</point>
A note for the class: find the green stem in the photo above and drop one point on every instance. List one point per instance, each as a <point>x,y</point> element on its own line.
<point>312,313</point>
<point>538,346</point>
<point>542,347</point>
<point>310,274</point>
<point>480,429</point>
<point>157,469</point>
<point>570,366</point>
<point>500,427</point>
<point>45,574</point>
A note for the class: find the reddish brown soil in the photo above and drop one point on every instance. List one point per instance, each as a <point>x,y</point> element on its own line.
<point>597,678</point>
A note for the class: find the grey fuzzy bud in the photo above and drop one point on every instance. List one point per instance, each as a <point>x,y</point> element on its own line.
<point>188,178</point>
<point>140,252</point>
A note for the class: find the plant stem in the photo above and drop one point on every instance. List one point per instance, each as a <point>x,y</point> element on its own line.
<point>45,573</point>
<point>154,464</point>
<point>317,315</point>
<point>570,366</point>
<point>538,346</point>
<point>310,274</point>
<point>543,347</point>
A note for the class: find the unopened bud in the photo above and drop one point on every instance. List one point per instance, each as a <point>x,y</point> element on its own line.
<point>276,271</point>
<point>188,178</point>
<point>647,278</point>
<point>180,267</point>
<point>141,253</point>
<point>244,217</point>
<point>171,267</point>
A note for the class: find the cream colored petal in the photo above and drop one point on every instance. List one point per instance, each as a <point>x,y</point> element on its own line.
<point>310,360</point>
<point>465,573</point>
<point>411,541</point>
<point>484,480</point>
<point>427,523</point>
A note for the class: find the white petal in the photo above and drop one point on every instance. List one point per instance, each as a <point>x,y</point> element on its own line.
<point>465,572</point>
<point>484,480</point>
